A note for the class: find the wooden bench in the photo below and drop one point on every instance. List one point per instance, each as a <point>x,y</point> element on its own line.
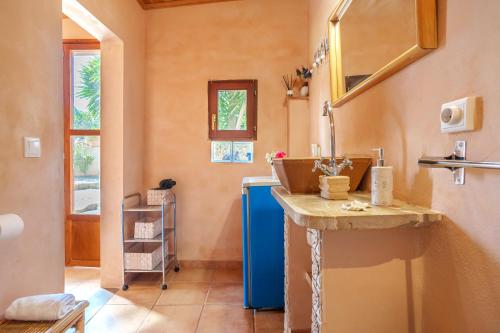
<point>74,319</point>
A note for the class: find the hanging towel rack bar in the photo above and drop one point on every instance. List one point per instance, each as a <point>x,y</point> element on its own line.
<point>456,163</point>
<point>450,163</point>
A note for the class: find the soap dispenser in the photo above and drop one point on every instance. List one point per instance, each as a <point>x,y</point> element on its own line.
<point>382,182</point>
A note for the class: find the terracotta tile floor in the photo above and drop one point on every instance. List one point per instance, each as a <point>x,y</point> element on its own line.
<point>197,301</point>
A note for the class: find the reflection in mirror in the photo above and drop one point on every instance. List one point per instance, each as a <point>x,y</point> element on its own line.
<point>372,39</point>
<point>374,32</point>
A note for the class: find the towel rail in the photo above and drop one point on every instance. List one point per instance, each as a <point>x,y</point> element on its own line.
<point>450,163</point>
<point>456,163</point>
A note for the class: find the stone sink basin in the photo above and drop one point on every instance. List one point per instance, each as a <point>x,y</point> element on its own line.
<point>296,176</point>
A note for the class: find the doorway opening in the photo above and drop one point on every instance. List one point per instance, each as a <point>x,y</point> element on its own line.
<point>92,225</point>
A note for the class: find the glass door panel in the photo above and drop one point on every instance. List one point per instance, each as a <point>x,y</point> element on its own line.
<point>85,89</point>
<point>86,180</point>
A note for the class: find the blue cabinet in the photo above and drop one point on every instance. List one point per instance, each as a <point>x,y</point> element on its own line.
<point>263,245</point>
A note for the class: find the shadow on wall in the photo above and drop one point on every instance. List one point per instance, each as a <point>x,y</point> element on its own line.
<point>471,286</point>
<point>365,248</point>
<point>398,250</point>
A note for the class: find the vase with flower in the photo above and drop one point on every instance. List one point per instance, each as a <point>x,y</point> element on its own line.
<point>270,157</point>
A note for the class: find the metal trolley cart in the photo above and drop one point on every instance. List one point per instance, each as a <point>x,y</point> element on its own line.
<point>138,211</point>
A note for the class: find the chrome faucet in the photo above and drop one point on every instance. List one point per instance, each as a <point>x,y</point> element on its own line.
<point>332,169</point>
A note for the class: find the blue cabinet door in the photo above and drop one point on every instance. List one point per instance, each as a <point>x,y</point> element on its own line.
<point>265,249</point>
<point>244,218</point>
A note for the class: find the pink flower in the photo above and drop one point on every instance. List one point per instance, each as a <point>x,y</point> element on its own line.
<point>280,154</point>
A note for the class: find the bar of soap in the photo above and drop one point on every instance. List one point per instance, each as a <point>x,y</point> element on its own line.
<point>334,196</point>
<point>336,180</point>
<point>334,187</point>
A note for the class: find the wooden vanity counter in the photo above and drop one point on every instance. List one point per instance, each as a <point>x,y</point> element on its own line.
<point>350,271</point>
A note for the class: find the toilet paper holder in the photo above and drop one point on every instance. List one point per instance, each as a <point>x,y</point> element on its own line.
<point>11,226</point>
<point>456,163</point>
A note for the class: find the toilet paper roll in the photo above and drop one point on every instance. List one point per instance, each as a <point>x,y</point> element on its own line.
<point>11,225</point>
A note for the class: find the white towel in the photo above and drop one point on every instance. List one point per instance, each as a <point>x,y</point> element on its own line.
<point>40,307</point>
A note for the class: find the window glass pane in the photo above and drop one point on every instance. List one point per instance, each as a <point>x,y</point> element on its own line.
<point>236,152</point>
<point>221,151</point>
<point>86,175</point>
<point>243,152</point>
<point>232,110</point>
<point>85,89</point>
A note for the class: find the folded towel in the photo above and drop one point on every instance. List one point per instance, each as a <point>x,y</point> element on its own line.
<point>40,307</point>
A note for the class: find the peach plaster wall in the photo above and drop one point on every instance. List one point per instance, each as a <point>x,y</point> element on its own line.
<point>31,105</point>
<point>185,48</point>
<point>459,279</point>
<point>71,30</point>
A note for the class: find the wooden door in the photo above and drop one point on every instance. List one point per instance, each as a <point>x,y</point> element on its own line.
<point>81,80</point>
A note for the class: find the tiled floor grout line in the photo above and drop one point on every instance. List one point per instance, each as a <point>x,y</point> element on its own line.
<point>210,283</point>
<point>253,321</point>
<point>87,320</point>
<point>150,310</point>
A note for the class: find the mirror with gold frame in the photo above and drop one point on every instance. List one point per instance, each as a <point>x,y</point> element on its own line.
<point>372,39</point>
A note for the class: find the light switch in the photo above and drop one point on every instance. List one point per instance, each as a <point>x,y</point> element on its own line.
<point>459,115</point>
<point>32,147</point>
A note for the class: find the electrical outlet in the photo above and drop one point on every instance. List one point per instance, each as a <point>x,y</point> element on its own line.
<point>459,115</point>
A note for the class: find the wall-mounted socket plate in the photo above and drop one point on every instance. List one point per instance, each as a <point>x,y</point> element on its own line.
<point>459,115</point>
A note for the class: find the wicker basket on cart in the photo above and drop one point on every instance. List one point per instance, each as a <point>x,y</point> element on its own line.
<point>156,196</point>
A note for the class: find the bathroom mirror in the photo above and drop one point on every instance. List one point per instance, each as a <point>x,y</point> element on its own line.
<point>372,39</point>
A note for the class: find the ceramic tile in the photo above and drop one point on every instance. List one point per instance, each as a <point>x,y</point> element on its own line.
<point>81,273</point>
<point>228,275</point>
<point>192,275</point>
<point>234,264</point>
<point>69,286</point>
<point>182,293</point>
<point>225,318</point>
<point>148,280</point>
<point>85,290</point>
<point>117,319</point>
<point>97,301</point>
<point>145,296</point>
<point>172,319</point>
<point>267,321</point>
<point>225,293</point>
<point>76,276</point>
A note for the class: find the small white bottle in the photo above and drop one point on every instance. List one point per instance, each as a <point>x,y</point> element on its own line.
<point>382,183</point>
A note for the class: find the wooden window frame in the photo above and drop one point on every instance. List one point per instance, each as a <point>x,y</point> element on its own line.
<point>235,135</point>
<point>68,46</point>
